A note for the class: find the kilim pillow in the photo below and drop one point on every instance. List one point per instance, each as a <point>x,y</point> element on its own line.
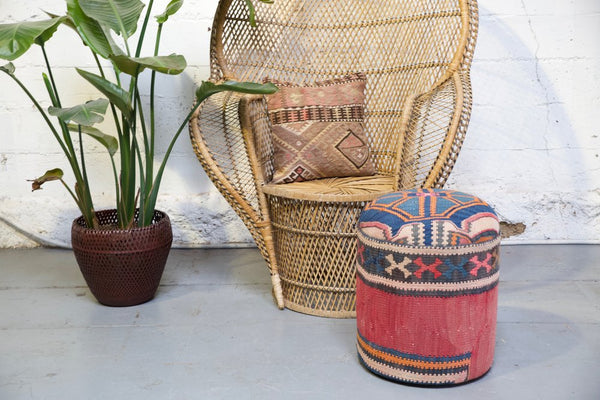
<point>318,130</point>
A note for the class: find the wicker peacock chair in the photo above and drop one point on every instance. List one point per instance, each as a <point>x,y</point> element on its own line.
<point>416,55</point>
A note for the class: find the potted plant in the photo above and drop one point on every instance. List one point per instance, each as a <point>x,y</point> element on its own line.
<point>121,252</point>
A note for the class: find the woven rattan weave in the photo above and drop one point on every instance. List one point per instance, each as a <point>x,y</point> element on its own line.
<point>416,56</point>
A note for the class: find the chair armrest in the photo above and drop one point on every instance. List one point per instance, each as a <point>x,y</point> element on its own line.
<point>217,140</point>
<point>433,128</point>
<point>225,147</point>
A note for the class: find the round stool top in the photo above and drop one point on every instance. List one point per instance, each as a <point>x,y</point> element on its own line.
<point>430,218</point>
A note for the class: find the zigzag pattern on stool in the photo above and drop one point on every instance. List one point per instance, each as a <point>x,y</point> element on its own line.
<point>429,217</point>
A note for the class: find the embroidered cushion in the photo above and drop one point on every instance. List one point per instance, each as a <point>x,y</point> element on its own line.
<point>318,130</point>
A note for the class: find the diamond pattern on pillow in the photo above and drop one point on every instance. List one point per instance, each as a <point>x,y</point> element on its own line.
<point>318,130</point>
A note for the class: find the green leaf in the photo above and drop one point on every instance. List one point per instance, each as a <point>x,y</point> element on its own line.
<point>207,88</point>
<point>119,15</point>
<point>171,9</point>
<point>8,68</point>
<point>87,114</point>
<point>115,49</point>
<point>50,175</point>
<point>114,93</point>
<point>47,34</point>
<point>110,142</point>
<point>67,21</point>
<point>172,65</point>
<point>17,38</point>
<point>89,30</point>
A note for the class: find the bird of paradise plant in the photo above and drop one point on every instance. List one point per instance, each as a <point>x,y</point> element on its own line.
<point>100,24</point>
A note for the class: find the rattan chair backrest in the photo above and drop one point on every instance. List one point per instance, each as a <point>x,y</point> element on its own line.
<point>403,46</point>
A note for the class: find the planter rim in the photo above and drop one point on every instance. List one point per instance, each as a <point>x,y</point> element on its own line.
<point>160,218</point>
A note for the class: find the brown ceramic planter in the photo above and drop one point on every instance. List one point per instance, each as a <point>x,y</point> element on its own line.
<point>122,267</point>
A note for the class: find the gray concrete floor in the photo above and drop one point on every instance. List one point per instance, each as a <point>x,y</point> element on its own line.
<point>213,332</point>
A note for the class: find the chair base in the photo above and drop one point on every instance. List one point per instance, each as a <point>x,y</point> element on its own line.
<point>315,244</point>
<point>340,314</point>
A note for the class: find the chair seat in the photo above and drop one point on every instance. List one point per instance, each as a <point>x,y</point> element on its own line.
<point>347,189</point>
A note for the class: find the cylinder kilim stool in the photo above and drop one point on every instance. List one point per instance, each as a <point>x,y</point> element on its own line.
<point>427,286</point>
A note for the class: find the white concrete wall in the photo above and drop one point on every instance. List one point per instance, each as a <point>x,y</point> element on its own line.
<point>533,148</point>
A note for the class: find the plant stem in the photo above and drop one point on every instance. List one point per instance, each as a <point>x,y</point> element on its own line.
<point>144,181</point>
<point>66,134</point>
<point>143,124</point>
<point>151,202</point>
<point>99,65</point>
<point>44,115</point>
<point>147,175</point>
<point>70,191</point>
<point>54,97</point>
<point>150,165</point>
<point>51,75</point>
<point>112,106</point>
<point>82,157</point>
<point>133,83</point>
<point>119,179</point>
<point>85,202</point>
<point>119,135</point>
<point>125,172</point>
<point>128,167</point>
<point>140,42</point>
<point>143,30</point>
<point>116,178</point>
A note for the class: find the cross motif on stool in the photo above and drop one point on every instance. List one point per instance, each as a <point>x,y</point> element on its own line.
<point>431,267</point>
<point>401,266</point>
<point>459,267</point>
<point>481,264</point>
